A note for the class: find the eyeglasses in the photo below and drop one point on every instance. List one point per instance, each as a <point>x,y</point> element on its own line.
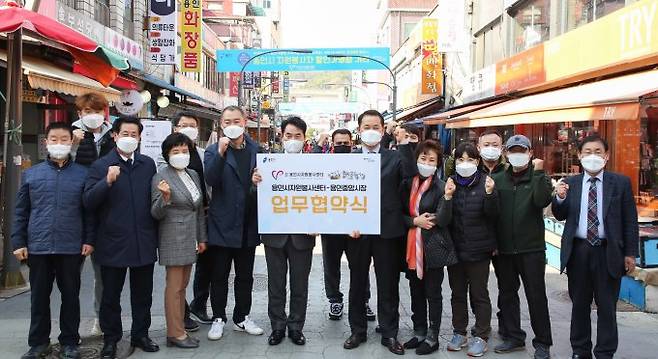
<point>341,143</point>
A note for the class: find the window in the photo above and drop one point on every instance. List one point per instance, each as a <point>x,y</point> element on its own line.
<point>581,12</point>
<point>216,5</point>
<point>488,46</point>
<point>129,19</point>
<point>407,30</point>
<point>531,24</point>
<point>102,12</point>
<point>267,4</point>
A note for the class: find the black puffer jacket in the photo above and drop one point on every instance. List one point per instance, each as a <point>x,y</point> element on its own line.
<point>86,152</point>
<point>474,213</point>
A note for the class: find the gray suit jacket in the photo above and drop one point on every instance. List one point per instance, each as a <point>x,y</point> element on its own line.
<point>299,241</point>
<point>182,222</point>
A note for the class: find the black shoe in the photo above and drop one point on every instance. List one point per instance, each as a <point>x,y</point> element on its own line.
<point>146,344</point>
<point>69,352</point>
<point>354,341</point>
<point>393,345</point>
<point>509,347</point>
<point>37,352</point>
<point>424,348</point>
<point>335,311</point>
<point>370,315</point>
<point>378,329</point>
<point>413,343</point>
<point>297,337</point>
<point>191,325</point>
<point>109,351</point>
<point>187,343</point>
<point>200,316</point>
<point>542,352</point>
<point>276,337</point>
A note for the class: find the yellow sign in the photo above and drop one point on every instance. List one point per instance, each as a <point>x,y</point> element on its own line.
<point>191,39</point>
<point>432,76</point>
<point>626,35</point>
<point>319,204</point>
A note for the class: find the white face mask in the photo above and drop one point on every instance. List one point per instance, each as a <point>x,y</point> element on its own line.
<point>59,151</point>
<point>490,153</point>
<point>179,161</point>
<point>127,144</point>
<point>293,146</point>
<point>371,137</point>
<point>190,132</point>
<point>233,131</point>
<point>425,170</point>
<point>466,169</point>
<point>593,163</point>
<point>93,120</point>
<point>518,159</point>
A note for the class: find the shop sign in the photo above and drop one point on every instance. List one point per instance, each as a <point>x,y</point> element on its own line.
<point>191,39</point>
<point>275,82</point>
<point>432,75</point>
<point>126,47</point>
<point>234,78</point>
<point>520,71</point>
<point>480,84</point>
<point>451,26</point>
<point>626,35</point>
<point>162,32</point>
<point>81,23</point>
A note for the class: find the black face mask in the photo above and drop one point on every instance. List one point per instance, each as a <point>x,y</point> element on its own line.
<point>342,149</point>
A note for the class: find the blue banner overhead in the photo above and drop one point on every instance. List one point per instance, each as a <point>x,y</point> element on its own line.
<point>233,60</point>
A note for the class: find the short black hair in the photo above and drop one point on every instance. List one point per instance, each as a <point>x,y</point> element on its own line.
<point>430,145</point>
<point>595,137</point>
<point>295,121</point>
<point>467,147</point>
<point>116,126</point>
<point>491,132</point>
<point>185,114</point>
<point>412,129</point>
<point>173,140</point>
<point>370,113</point>
<point>233,108</point>
<point>59,126</point>
<point>341,131</point>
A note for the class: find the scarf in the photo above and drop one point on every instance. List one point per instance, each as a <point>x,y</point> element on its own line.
<point>466,181</point>
<point>414,237</point>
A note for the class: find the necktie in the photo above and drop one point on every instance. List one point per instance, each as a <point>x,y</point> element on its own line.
<point>592,215</point>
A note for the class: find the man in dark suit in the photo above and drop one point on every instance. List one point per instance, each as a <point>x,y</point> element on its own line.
<point>386,249</point>
<point>232,222</point>
<point>118,191</point>
<point>599,245</point>
<point>285,253</point>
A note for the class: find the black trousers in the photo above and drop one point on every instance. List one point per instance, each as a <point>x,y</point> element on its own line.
<point>387,256</point>
<point>502,331</point>
<point>44,270</point>
<point>243,263</point>
<point>529,268</point>
<point>333,246</point>
<point>203,270</point>
<point>426,293</point>
<point>589,280</point>
<point>280,263</point>
<point>141,298</point>
<point>470,279</point>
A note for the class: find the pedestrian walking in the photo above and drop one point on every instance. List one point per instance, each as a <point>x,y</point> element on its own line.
<point>177,204</point>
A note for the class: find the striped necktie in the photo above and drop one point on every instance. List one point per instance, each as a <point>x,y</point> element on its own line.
<point>592,215</point>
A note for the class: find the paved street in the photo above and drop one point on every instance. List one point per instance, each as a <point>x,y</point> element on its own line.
<point>637,330</point>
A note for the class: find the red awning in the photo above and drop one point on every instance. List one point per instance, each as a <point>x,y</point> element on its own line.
<point>120,82</point>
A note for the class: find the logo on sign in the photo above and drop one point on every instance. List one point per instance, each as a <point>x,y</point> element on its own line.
<point>243,58</point>
<point>163,7</point>
<point>276,174</point>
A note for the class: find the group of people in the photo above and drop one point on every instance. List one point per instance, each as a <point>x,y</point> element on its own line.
<point>97,196</point>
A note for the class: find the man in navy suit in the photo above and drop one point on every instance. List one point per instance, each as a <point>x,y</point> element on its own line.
<point>599,245</point>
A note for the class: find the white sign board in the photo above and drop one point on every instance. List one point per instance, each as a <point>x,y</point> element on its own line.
<point>451,25</point>
<point>162,32</point>
<point>480,84</point>
<point>318,193</point>
<point>153,135</point>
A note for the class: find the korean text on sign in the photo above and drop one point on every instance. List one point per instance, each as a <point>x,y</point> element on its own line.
<point>162,32</point>
<point>191,39</point>
<point>319,193</point>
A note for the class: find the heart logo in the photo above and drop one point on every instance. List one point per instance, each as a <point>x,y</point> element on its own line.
<point>276,174</point>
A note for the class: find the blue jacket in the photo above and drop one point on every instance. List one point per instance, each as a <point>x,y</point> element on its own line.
<point>226,216</point>
<point>50,218</point>
<point>126,233</point>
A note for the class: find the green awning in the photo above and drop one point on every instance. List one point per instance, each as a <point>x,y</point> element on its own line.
<point>257,10</point>
<point>117,61</point>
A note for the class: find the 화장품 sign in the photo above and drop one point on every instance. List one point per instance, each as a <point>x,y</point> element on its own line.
<point>318,193</point>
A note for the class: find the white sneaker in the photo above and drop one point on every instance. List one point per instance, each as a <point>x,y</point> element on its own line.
<point>217,330</point>
<point>96,329</point>
<point>248,326</point>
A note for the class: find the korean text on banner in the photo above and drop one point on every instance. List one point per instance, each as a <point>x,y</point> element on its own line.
<point>432,76</point>
<point>318,193</point>
<point>162,32</point>
<point>191,39</point>
<point>153,135</point>
<point>234,79</point>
